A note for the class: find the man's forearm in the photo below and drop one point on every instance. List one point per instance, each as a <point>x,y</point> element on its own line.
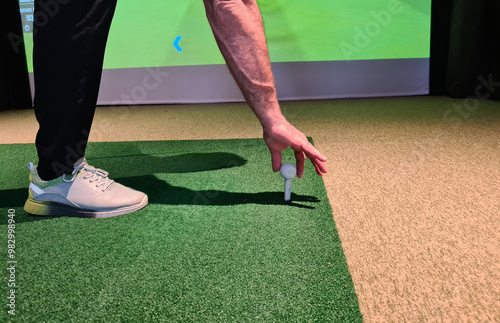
<point>239,32</point>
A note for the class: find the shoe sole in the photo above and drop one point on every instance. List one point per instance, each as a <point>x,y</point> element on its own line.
<point>53,209</point>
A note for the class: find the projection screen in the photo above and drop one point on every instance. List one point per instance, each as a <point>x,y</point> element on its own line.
<point>162,52</point>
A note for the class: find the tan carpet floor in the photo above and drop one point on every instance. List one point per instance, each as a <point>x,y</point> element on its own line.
<point>414,184</point>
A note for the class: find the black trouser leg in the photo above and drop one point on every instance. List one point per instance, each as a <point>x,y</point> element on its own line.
<point>69,42</point>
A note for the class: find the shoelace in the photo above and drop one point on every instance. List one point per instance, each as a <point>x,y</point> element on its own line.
<point>93,175</point>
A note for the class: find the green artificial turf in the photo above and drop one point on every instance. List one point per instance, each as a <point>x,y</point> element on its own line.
<point>216,242</point>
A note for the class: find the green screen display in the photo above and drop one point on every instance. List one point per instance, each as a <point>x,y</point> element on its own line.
<point>143,33</point>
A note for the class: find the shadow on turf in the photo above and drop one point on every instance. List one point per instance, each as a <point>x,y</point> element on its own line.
<point>160,192</point>
<point>144,164</point>
<point>14,199</point>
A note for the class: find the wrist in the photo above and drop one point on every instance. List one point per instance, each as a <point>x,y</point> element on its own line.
<point>270,115</point>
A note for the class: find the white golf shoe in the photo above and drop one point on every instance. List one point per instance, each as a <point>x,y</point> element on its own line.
<point>87,193</point>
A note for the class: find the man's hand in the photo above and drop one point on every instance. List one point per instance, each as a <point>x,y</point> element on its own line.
<point>282,135</point>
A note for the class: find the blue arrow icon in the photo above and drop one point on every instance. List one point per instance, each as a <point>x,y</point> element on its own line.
<point>176,43</point>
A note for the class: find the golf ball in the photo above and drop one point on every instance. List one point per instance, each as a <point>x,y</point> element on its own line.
<point>288,171</point>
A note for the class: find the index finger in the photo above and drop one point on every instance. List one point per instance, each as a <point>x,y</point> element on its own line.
<point>276,160</point>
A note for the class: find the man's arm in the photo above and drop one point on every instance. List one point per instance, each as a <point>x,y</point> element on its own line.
<point>239,32</point>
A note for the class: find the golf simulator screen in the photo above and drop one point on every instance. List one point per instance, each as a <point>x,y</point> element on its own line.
<point>319,49</point>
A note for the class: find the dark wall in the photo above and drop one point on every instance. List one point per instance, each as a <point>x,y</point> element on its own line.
<point>465,48</point>
<point>14,82</point>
